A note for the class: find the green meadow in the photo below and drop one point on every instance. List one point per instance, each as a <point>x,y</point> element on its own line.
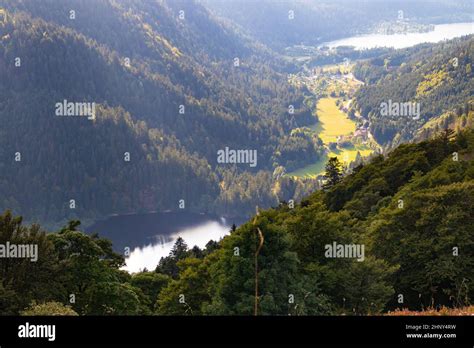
<point>332,123</point>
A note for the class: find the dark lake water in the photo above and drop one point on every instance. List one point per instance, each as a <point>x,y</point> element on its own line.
<point>151,236</point>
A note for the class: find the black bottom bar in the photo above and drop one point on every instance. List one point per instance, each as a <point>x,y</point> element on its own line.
<point>195,331</point>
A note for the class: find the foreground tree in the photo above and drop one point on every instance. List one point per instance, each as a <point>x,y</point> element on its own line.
<point>333,172</point>
<point>168,265</point>
<point>49,308</point>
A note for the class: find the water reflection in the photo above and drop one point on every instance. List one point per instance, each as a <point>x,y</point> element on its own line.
<point>440,32</point>
<point>150,236</point>
<point>149,255</point>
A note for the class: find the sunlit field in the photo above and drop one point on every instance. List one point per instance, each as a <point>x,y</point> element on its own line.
<point>332,121</point>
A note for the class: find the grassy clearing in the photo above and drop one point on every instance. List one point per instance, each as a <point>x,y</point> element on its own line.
<point>344,155</point>
<point>311,170</point>
<point>343,68</point>
<point>332,121</point>
<point>348,155</point>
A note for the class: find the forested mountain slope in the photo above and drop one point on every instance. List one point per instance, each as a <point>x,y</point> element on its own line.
<point>413,212</point>
<point>439,78</point>
<point>174,91</point>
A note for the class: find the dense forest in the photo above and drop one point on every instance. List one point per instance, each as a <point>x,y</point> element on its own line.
<point>413,210</point>
<point>438,77</point>
<point>170,93</point>
<point>174,82</point>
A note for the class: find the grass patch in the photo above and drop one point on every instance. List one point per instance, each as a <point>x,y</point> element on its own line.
<point>332,121</point>
<point>344,155</point>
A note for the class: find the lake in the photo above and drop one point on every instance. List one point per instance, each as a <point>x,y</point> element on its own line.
<point>151,236</point>
<point>440,32</point>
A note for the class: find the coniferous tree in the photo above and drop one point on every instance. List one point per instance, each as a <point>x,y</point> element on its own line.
<point>333,172</point>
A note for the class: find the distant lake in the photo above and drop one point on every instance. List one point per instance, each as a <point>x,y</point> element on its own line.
<point>440,32</point>
<point>151,236</point>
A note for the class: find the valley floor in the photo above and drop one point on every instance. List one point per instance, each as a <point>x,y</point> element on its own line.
<point>334,125</point>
